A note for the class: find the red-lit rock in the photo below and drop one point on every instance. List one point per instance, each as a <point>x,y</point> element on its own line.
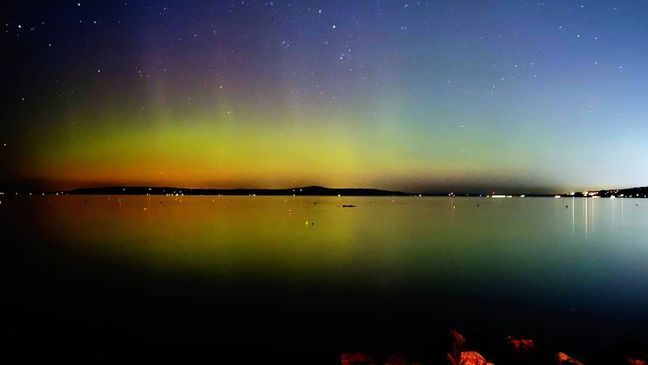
<point>356,358</point>
<point>457,355</point>
<point>457,345</point>
<point>457,339</point>
<point>472,358</point>
<point>564,359</point>
<point>521,345</point>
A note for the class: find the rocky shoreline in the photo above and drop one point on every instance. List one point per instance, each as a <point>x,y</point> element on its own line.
<point>518,351</point>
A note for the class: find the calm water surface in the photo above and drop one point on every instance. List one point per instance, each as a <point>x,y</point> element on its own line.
<point>303,274</point>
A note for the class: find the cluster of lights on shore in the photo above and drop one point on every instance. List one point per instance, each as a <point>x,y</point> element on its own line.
<point>584,194</point>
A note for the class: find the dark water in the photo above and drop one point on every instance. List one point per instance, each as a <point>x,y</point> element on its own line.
<point>305,277</point>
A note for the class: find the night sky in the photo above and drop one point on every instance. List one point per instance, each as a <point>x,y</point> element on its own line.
<point>410,95</point>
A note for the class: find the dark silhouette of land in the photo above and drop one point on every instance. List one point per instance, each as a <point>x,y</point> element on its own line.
<point>638,192</point>
<point>308,190</point>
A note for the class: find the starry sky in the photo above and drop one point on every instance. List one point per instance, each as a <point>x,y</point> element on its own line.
<point>535,96</point>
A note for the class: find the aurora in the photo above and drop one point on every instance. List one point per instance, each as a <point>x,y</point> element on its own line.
<point>414,96</point>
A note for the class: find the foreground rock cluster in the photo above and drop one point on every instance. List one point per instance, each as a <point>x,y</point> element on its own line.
<point>516,351</point>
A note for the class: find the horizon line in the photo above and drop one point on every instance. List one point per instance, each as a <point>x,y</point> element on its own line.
<point>314,190</point>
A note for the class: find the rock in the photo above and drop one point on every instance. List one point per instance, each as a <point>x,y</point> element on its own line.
<point>472,358</point>
<point>564,359</point>
<point>457,355</point>
<point>521,345</point>
<point>457,345</point>
<point>521,351</point>
<point>457,340</point>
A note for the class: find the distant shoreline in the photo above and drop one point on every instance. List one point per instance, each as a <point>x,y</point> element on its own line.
<point>641,192</point>
<point>172,191</point>
<point>297,191</point>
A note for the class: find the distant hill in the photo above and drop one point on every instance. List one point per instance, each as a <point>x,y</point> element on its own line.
<point>639,192</point>
<point>308,190</point>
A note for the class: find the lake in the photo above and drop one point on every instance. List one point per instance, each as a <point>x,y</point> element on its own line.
<point>307,277</point>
